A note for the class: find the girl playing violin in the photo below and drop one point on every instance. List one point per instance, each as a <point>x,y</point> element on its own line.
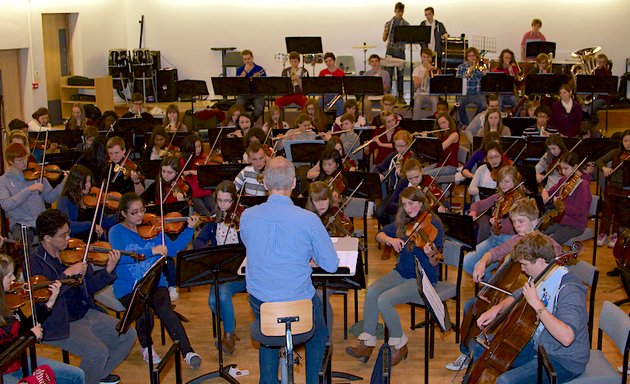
<point>13,324</point>
<point>555,150</point>
<point>575,193</point>
<point>273,120</point>
<point>174,190</point>
<point>450,146</point>
<point>486,174</point>
<point>349,138</point>
<point>220,233</point>
<point>320,201</point>
<point>172,122</point>
<point>330,166</point>
<point>231,116</point>
<point>494,123</point>
<point>494,228</point>
<point>384,146</point>
<point>392,164</point>
<point>71,202</point>
<point>156,146</point>
<point>399,286</point>
<point>201,198</point>
<point>348,163</point>
<point>615,210</point>
<point>125,236</point>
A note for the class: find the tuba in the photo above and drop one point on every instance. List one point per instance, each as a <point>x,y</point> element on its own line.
<point>587,58</point>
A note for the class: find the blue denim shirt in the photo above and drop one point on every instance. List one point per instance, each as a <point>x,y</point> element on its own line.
<point>281,239</point>
<point>473,84</point>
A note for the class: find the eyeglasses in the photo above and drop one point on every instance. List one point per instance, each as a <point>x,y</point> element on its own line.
<point>139,211</point>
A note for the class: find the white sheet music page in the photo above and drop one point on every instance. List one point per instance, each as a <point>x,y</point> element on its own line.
<point>432,299</point>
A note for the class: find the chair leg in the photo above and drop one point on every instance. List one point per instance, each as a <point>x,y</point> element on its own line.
<point>214,326</point>
<point>345,316</point>
<point>413,317</point>
<point>65,356</point>
<point>163,332</point>
<point>356,306</point>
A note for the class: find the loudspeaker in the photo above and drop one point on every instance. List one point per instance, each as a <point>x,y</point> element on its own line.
<point>167,84</point>
<point>157,60</point>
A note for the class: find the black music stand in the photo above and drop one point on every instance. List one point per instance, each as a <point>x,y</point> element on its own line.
<point>322,85</point>
<point>535,147</point>
<point>498,83</point>
<point>459,228</point>
<point>411,34</point>
<point>268,87</point>
<point>518,124</point>
<point>528,174</point>
<point>221,133</point>
<point>428,148</point>
<point>138,305</point>
<point>513,145</point>
<point>211,175</point>
<point>413,126</point>
<point>445,85</point>
<point>205,266</point>
<point>133,129</point>
<point>151,168</point>
<point>232,149</point>
<point>309,152</point>
<point>191,90</point>
<point>534,48</point>
<point>231,86</point>
<point>363,86</point>
<point>371,187</point>
<point>304,44</point>
<point>593,84</point>
<point>544,84</point>
<point>593,148</point>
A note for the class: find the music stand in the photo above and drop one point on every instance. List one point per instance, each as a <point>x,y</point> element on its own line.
<point>211,175</point>
<point>513,145</point>
<point>518,124</point>
<point>534,48</point>
<point>231,86</point>
<point>301,152</point>
<point>371,187</point>
<point>232,149</point>
<point>304,44</point>
<point>363,86</point>
<point>545,83</point>
<point>444,85</point>
<point>413,126</point>
<point>428,148</point>
<point>191,90</point>
<point>132,130</point>
<point>593,148</point>
<point>322,85</point>
<point>151,168</point>
<point>593,84</point>
<point>411,34</point>
<point>535,147</point>
<point>221,133</point>
<point>528,174</point>
<point>268,87</point>
<point>498,83</point>
<point>139,304</point>
<point>459,228</point>
<point>205,266</point>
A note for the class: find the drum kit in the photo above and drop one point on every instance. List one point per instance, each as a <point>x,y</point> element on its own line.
<point>124,67</point>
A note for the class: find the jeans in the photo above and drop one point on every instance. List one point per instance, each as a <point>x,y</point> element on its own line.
<point>420,101</point>
<point>226,291</point>
<point>64,373</point>
<point>170,271</point>
<point>95,340</point>
<point>399,78</point>
<point>160,303</point>
<point>382,296</point>
<point>562,233</point>
<point>524,369</point>
<point>257,101</point>
<point>471,258</point>
<point>338,104</point>
<point>508,100</point>
<point>204,205</point>
<point>478,100</point>
<point>268,357</point>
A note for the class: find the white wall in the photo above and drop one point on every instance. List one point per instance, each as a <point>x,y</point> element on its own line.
<point>185,30</point>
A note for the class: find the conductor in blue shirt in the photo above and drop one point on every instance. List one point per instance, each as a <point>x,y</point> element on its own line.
<point>281,239</point>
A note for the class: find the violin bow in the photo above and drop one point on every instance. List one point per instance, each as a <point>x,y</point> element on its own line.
<point>429,210</point>
<point>399,158</point>
<point>360,147</point>
<point>439,172</point>
<point>181,173</point>
<point>214,145</point>
<point>27,271</point>
<point>577,168</point>
<point>345,203</point>
<point>109,175</point>
<point>558,162</point>
<point>161,192</point>
<point>233,213</point>
<point>269,133</point>
<point>347,156</point>
<point>91,233</point>
<point>121,167</point>
<point>41,176</point>
<point>499,200</point>
<point>618,166</point>
<point>330,183</point>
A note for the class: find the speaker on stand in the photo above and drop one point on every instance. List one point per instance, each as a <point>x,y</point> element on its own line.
<point>167,84</point>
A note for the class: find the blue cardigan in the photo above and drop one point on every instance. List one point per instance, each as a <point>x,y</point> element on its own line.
<point>65,205</point>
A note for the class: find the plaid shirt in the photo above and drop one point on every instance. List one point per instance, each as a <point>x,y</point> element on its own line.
<point>473,83</point>
<point>395,49</point>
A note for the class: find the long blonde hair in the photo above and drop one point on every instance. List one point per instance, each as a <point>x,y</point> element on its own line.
<point>6,264</point>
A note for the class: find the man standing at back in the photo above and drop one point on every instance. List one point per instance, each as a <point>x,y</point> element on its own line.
<point>395,49</point>
<point>281,239</point>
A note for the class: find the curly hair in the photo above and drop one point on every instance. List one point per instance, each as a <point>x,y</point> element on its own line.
<point>76,182</point>
<point>49,222</point>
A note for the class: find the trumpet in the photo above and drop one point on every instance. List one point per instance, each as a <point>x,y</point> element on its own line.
<point>481,65</point>
<point>520,76</point>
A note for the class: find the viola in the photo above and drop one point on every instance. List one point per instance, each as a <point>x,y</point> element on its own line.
<point>336,223</point>
<point>34,171</point>
<point>421,232</point>
<point>18,293</point>
<point>502,208</point>
<point>208,160</point>
<point>174,222</point>
<point>233,216</point>
<point>98,253</point>
<point>172,151</point>
<point>125,168</point>
<point>111,200</point>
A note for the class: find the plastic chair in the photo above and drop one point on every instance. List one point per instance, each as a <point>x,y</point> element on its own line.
<point>284,324</point>
<point>590,234</point>
<point>589,275</point>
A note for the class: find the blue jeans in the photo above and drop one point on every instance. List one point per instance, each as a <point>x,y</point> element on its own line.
<point>64,373</point>
<point>508,100</point>
<point>400,75</point>
<point>473,257</point>
<point>257,101</point>
<point>478,100</point>
<point>226,291</point>
<point>268,357</point>
<point>338,104</point>
<point>525,367</point>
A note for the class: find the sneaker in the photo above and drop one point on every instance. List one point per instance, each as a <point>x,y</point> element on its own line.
<point>459,177</point>
<point>601,239</point>
<point>173,292</point>
<point>193,360</point>
<point>459,364</point>
<point>620,368</point>
<point>612,241</point>
<point>145,355</point>
<point>111,379</point>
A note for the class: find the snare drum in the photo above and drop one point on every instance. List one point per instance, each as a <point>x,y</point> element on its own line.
<point>118,58</point>
<point>142,56</point>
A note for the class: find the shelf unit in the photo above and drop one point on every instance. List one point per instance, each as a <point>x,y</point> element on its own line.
<point>103,90</point>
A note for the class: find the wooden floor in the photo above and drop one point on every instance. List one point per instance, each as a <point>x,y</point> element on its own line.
<point>194,306</point>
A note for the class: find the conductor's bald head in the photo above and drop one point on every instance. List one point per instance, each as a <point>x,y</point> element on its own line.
<point>279,175</point>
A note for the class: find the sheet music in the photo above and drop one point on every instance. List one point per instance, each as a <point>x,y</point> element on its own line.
<point>432,300</point>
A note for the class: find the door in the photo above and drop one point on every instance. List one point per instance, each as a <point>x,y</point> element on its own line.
<point>57,59</point>
<point>10,87</point>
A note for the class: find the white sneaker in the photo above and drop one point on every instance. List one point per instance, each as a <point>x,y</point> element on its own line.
<point>459,177</point>
<point>459,364</point>
<point>173,292</point>
<point>145,355</point>
<point>193,360</point>
<point>620,368</point>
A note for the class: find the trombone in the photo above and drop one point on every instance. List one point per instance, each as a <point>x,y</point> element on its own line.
<point>334,100</point>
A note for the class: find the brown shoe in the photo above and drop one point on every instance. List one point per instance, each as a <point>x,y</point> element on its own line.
<point>399,354</point>
<point>387,252</point>
<point>229,342</point>
<point>361,352</point>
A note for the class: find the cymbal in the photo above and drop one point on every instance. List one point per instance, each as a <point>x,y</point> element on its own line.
<point>364,46</point>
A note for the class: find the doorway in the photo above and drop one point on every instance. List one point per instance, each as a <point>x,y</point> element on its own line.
<point>57,59</point>
<point>10,86</point>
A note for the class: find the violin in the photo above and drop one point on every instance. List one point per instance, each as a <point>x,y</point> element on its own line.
<point>33,171</point>
<point>421,232</point>
<point>174,222</point>
<point>233,217</point>
<point>181,186</point>
<point>98,253</point>
<point>502,208</point>
<point>495,171</point>
<point>336,223</point>
<point>172,151</point>
<point>111,200</point>
<point>335,182</point>
<point>18,293</point>
<point>125,168</point>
